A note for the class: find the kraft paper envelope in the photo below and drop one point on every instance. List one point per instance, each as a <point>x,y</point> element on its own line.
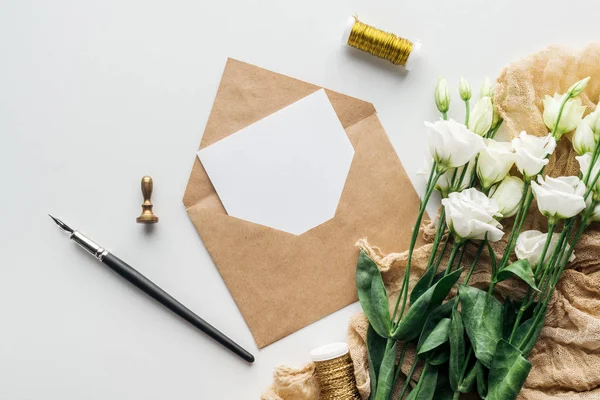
<point>283,282</point>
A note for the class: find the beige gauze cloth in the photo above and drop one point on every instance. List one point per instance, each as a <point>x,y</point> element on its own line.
<point>566,358</point>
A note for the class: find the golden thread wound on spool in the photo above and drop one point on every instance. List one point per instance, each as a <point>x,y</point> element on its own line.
<point>379,43</point>
<point>336,378</point>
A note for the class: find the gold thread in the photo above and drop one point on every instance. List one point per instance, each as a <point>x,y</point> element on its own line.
<point>379,43</point>
<point>336,379</point>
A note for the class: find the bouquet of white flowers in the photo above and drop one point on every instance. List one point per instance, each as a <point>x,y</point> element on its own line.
<point>473,342</point>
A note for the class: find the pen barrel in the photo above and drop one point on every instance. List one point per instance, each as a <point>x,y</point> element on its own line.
<point>154,291</point>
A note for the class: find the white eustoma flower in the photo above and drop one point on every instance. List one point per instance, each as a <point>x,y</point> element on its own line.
<point>482,116</point>
<point>508,194</point>
<point>470,214</point>
<point>585,162</point>
<point>570,117</point>
<point>530,245</point>
<point>559,197</point>
<point>494,162</point>
<point>583,138</point>
<point>532,153</point>
<point>441,95</point>
<point>451,144</point>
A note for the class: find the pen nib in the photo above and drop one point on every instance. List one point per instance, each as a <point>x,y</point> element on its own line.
<point>61,224</point>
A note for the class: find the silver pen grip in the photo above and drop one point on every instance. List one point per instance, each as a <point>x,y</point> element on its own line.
<point>89,245</point>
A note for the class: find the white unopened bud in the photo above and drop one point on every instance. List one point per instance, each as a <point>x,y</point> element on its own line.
<point>583,138</point>
<point>464,89</point>
<point>578,87</point>
<point>442,98</point>
<point>487,90</point>
<point>482,116</point>
<point>593,120</point>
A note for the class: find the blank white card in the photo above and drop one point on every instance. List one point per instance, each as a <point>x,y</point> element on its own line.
<point>286,171</point>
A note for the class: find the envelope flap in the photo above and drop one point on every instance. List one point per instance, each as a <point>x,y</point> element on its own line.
<point>247,94</point>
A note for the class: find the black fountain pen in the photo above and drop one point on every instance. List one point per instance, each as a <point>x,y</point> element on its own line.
<point>151,289</point>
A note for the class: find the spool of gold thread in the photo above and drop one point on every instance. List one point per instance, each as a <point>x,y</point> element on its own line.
<point>335,372</point>
<point>395,49</point>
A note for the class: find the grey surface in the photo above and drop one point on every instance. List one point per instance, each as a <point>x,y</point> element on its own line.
<point>96,94</point>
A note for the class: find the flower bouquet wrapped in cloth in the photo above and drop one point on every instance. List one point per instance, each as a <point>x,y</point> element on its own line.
<point>464,313</point>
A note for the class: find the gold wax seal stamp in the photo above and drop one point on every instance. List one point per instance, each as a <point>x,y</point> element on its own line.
<point>147,216</point>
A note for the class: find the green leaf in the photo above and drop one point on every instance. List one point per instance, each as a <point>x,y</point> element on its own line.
<point>375,351</point>
<point>386,374</point>
<point>410,326</point>
<point>372,295</point>
<point>482,382</point>
<point>468,383</point>
<point>521,269</point>
<point>437,337</point>
<point>508,373</point>
<point>422,285</point>
<point>429,384</point>
<point>510,309</point>
<point>522,331</point>
<point>442,311</point>
<point>456,337</point>
<point>482,319</point>
<point>439,356</point>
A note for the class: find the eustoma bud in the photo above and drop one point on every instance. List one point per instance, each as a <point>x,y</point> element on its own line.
<point>464,89</point>
<point>442,98</point>
<point>567,107</point>
<point>482,116</point>
<point>487,90</point>
<point>508,194</point>
<point>578,87</point>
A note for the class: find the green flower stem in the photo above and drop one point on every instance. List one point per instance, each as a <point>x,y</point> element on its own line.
<point>437,262</point>
<point>400,362</point>
<point>556,256</point>
<point>461,255</point>
<point>408,378</point>
<point>455,248</point>
<point>555,277</point>
<point>492,133</point>
<point>445,116</point>
<point>421,379</point>
<point>593,161</point>
<point>517,226</point>
<point>592,186</point>
<point>436,240</point>
<point>466,364</point>
<point>513,233</point>
<point>551,227</point>
<point>403,296</point>
<point>463,372</point>
<point>475,260</point>
<point>528,300</point>
<point>467,112</point>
